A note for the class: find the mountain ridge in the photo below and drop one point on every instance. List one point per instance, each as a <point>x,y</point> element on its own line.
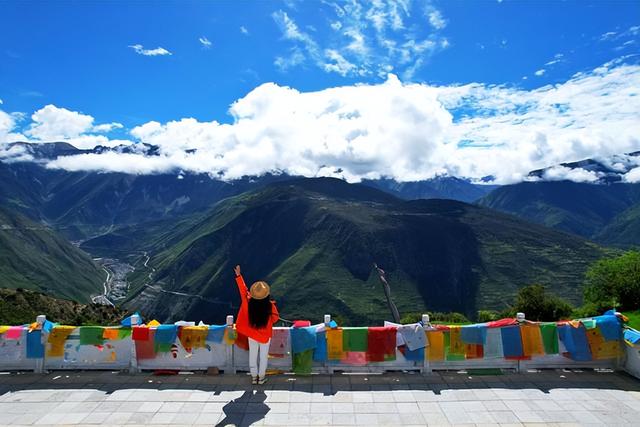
<point>314,245</point>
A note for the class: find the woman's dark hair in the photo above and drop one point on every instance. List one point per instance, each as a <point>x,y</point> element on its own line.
<point>259,312</point>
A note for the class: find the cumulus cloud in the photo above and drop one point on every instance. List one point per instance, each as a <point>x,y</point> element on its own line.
<point>8,122</point>
<point>52,123</point>
<point>400,130</point>
<point>540,72</point>
<point>244,30</point>
<point>205,42</point>
<point>159,51</point>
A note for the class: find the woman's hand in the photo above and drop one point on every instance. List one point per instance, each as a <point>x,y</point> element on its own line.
<point>237,270</point>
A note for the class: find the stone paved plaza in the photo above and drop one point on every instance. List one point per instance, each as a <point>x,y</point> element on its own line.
<point>112,398</point>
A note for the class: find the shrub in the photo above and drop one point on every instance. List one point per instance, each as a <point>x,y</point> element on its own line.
<point>487,315</point>
<point>537,304</point>
<point>614,282</point>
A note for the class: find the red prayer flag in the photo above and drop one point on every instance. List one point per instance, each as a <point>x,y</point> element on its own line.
<point>381,343</point>
<point>140,333</point>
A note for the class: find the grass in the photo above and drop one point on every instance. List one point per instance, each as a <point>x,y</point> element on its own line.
<point>634,319</point>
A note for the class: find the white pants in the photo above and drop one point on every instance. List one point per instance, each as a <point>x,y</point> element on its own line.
<point>258,353</point>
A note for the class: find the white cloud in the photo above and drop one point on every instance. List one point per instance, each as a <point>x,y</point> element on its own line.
<point>107,127</point>
<point>436,20</point>
<point>404,131</point>
<point>159,51</point>
<point>205,42</point>
<point>244,30</point>
<point>373,37</point>
<point>13,154</point>
<point>558,57</point>
<point>338,63</point>
<point>296,57</point>
<point>632,176</point>
<point>52,123</point>
<point>8,123</point>
<point>540,72</point>
<point>562,173</point>
<point>608,35</point>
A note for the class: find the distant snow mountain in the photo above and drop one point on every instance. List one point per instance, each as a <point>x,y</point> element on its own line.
<point>603,170</point>
<point>595,198</point>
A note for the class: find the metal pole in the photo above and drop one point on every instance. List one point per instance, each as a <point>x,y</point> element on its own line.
<point>387,292</point>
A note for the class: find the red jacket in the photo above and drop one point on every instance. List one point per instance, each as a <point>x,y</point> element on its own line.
<point>243,326</point>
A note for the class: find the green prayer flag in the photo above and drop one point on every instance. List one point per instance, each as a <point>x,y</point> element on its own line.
<point>451,357</point>
<point>549,333</point>
<point>91,335</point>
<point>123,333</point>
<point>160,347</point>
<point>355,339</point>
<point>302,362</point>
<point>589,323</point>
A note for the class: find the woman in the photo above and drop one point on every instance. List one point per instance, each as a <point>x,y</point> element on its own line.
<point>255,320</point>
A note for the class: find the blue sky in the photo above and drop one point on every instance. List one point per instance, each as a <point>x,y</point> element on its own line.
<point>76,54</point>
<point>475,75</point>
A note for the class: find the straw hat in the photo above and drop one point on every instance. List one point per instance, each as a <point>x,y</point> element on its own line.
<point>259,290</point>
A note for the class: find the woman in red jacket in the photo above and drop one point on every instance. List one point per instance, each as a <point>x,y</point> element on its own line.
<point>255,320</point>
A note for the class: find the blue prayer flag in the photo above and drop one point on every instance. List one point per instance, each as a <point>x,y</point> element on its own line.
<point>610,327</point>
<point>511,341</point>
<point>216,333</point>
<point>166,334</point>
<point>303,339</point>
<point>575,341</point>
<point>35,348</point>
<point>474,334</point>
<point>320,352</point>
<point>413,356</point>
<point>632,336</point>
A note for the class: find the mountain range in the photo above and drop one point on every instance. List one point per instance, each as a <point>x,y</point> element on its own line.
<point>314,239</point>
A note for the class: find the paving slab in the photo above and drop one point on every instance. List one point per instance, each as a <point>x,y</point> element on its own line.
<point>554,398</point>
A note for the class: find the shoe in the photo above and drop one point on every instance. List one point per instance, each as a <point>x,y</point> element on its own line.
<point>254,380</point>
<point>263,380</point>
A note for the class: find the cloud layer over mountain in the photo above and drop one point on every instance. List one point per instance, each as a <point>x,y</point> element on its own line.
<point>403,131</point>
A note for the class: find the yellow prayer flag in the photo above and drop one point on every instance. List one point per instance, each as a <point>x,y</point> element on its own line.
<point>601,349</point>
<point>435,350</point>
<point>456,346</point>
<point>153,323</point>
<point>193,336</point>
<point>334,344</point>
<point>4,329</point>
<point>531,340</point>
<point>57,337</point>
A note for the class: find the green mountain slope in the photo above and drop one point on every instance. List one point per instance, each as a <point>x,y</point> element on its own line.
<point>315,241</point>
<point>623,230</point>
<point>35,257</point>
<point>579,208</point>
<point>20,306</point>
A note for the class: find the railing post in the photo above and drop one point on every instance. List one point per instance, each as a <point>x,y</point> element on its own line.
<point>328,368</point>
<point>133,359</point>
<point>520,318</point>
<point>230,367</point>
<point>39,363</point>
<point>426,363</point>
